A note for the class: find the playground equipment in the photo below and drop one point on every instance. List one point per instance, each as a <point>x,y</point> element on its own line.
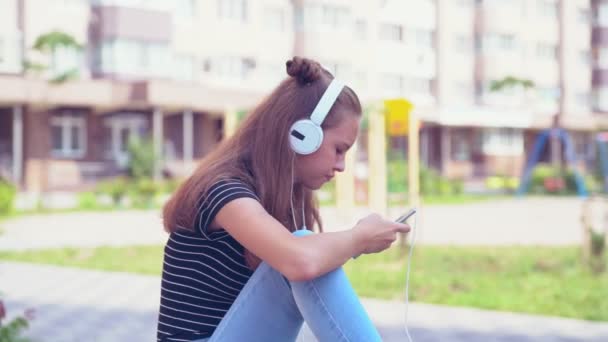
<point>540,143</point>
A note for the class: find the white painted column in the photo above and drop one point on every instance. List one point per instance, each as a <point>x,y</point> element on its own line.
<point>17,144</point>
<point>445,149</point>
<point>424,143</point>
<point>345,185</point>
<point>231,122</point>
<point>377,181</point>
<point>157,136</point>
<point>188,134</point>
<point>413,160</point>
<point>188,143</point>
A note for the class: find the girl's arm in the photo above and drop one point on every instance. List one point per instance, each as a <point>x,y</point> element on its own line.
<point>307,257</point>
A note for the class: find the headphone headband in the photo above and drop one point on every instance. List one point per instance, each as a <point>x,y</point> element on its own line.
<point>326,102</point>
<point>306,135</point>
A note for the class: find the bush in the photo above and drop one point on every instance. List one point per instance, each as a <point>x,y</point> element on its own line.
<point>171,185</point>
<point>7,197</point>
<point>87,200</point>
<point>141,158</point>
<point>502,183</point>
<point>12,331</point>
<point>444,187</point>
<point>592,184</point>
<point>548,179</point>
<point>142,193</point>
<point>597,246</point>
<point>431,182</point>
<point>397,176</point>
<point>115,188</point>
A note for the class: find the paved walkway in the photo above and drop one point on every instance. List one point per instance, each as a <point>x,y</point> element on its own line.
<point>79,305</point>
<point>531,221</point>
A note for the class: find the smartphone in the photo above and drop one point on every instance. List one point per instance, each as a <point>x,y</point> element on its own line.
<point>406,216</point>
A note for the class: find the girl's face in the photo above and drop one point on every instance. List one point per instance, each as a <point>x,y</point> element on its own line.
<point>315,169</point>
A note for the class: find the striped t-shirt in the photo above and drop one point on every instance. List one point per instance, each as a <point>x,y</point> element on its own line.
<point>203,272</point>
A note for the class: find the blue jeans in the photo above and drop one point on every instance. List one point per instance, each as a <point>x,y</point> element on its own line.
<point>271,308</point>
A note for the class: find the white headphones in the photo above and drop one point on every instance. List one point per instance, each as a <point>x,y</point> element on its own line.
<point>306,135</point>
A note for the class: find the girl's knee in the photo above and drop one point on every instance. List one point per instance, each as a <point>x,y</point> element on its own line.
<point>302,232</point>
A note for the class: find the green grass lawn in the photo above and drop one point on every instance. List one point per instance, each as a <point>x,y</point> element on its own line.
<point>548,281</point>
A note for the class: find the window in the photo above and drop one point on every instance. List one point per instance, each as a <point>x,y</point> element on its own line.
<point>583,16</point>
<point>275,19</point>
<point>392,84</point>
<point>602,16</point>
<point>68,136</point>
<point>360,29</point>
<point>184,68</point>
<point>602,57</point>
<point>233,10</point>
<point>466,3</point>
<point>496,42</point>
<point>317,17</point>
<point>464,44</point>
<point>338,69</point>
<point>464,91</point>
<point>513,6</point>
<point>134,57</point>
<point>185,9</point>
<point>162,5</point>
<point>334,17</point>
<point>418,85</point>
<point>583,99</point>
<point>230,67</point>
<point>391,32</point>
<point>585,57</point>
<point>270,72</point>
<point>503,141</point>
<point>547,51</point>
<point>549,93</point>
<point>299,19</point>
<point>119,130</point>
<point>422,38</point>
<point>601,98</point>
<point>548,8</point>
<point>506,41</point>
<point>2,50</point>
<point>360,79</point>
<point>581,144</point>
<point>65,59</point>
<point>460,145</point>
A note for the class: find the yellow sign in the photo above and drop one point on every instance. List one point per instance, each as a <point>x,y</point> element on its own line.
<point>398,116</point>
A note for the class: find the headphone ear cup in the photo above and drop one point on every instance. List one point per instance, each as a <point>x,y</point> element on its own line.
<point>305,137</point>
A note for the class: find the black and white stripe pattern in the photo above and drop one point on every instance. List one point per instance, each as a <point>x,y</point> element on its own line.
<point>203,272</point>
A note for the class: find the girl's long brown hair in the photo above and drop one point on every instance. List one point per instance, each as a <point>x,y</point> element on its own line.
<point>259,155</point>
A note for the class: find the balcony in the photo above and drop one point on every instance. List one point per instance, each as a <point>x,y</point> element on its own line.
<point>116,22</point>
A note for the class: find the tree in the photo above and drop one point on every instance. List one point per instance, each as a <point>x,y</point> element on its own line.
<point>48,44</point>
<point>509,82</point>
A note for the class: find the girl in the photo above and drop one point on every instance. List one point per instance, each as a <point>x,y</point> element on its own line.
<point>237,265</point>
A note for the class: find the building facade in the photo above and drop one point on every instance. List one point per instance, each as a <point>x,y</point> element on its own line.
<point>173,70</point>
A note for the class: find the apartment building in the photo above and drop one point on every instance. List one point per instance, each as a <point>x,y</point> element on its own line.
<point>443,55</point>
<point>145,68</point>
<point>486,132</point>
<point>173,69</point>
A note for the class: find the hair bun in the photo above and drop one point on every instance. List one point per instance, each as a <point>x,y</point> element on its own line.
<point>303,69</point>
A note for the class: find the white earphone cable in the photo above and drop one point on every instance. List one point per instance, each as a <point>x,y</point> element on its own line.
<point>303,217</point>
<point>293,216</point>
<point>407,277</point>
